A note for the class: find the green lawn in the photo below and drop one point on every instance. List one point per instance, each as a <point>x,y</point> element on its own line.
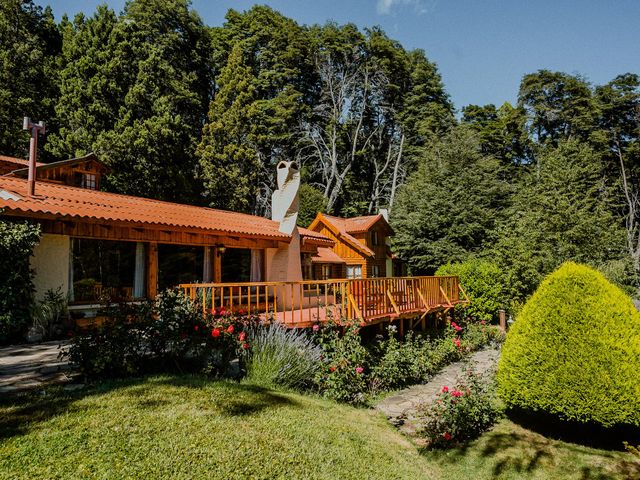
<point>190,427</point>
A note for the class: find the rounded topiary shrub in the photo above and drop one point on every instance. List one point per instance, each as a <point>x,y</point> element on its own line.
<point>574,351</point>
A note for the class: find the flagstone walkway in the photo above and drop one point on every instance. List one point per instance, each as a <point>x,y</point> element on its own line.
<point>23,367</point>
<point>400,408</point>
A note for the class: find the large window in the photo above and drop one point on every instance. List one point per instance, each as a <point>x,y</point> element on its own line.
<point>179,264</point>
<point>101,269</point>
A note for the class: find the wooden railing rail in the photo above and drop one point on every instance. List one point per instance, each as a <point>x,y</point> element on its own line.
<point>309,301</point>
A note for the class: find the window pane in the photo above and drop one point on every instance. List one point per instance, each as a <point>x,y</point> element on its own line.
<point>236,265</point>
<point>179,264</point>
<point>103,268</point>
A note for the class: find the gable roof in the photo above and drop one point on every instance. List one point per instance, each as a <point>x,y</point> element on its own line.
<point>91,157</point>
<point>339,228</point>
<point>360,224</point>
<point>315,238</point>
<point>54,201</point>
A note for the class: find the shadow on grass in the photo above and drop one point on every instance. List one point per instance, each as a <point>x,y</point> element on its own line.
<point>585,434</point>
<point>22,413</point>
<point>515,450</point>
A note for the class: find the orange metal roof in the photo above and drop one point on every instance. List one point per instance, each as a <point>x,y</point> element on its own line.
<point>326,255</point>
<point>53,201</point>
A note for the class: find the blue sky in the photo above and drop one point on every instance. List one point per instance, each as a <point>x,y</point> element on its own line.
<point>482,47</point>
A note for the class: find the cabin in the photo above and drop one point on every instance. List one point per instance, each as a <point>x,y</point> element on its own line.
<point>362,248</point>
<point>97,245</point>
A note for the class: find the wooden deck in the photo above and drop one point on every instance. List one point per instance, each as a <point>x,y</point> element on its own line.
<point>302,304</point>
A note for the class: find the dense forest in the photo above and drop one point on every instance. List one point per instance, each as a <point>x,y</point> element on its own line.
<point>187,112</point>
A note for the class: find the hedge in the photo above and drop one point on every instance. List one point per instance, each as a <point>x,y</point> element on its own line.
<point>574,351</point>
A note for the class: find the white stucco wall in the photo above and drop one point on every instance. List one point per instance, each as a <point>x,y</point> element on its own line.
<point>50,262</point>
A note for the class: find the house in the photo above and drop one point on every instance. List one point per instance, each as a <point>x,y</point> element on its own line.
<point>98,245</point>
<point>362,247</point>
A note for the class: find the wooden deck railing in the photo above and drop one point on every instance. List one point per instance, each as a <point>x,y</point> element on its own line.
<point>301,304</point>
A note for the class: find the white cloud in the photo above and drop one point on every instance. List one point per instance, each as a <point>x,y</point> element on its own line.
<point>384,7</point>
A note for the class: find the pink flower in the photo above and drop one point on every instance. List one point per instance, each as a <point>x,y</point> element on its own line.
<point>316,327</point>
<point>242,336</point>
<point>215,333</point>
<point>359,370</point>
<point>457,393</point>
<point>242,311</point>
<point>456,327</point>
<point>445,389</point>
<point>230,329</point>
<point>245,346</point>
<point>457,342</point>
<point>482,322</point>
<point>447,436</point>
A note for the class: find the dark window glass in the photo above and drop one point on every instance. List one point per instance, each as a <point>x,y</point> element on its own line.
<point>236,265</point>
<point>179,264</point>
<point>103,268</point>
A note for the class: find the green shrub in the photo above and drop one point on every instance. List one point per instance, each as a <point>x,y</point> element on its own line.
<point>483,282</point>
<point>170,333</point>
<point>461,412</point>
<point>281,356</point>
<point>574,351</point>
<point>344,372</point>
<point>17,240</point>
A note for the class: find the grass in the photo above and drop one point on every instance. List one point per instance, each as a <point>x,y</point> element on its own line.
<point>191,427</point>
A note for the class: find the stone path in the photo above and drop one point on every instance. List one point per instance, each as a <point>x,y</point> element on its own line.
<point>400,408</point>
<point>29,366</point>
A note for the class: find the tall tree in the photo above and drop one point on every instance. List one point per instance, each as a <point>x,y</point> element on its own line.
<point>150,72</point>
<point>450,205</point>
<point>561,212</point>
<point>558,106</point>
<point>30,44</point>
<point>276,52</point>
<point>229,160</point>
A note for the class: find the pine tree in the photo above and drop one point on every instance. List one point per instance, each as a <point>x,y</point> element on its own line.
<point>229,161</point>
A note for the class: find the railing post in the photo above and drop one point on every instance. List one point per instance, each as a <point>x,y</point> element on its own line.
<point>503,320</point>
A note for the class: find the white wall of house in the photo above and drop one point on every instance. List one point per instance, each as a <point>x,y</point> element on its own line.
<point>50,262</point>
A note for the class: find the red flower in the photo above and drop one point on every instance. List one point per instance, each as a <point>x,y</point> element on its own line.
<point>245,345</point>
<point>457,342</point>
<point>359,370</point>
<point>332,369</point>
<point>456,327</point>
<point>316,327</point>
<point>242,311</point>
<point>242,336</point>
<point>445,389</point>
<point>447,436</point>
<point>223,310</point>
<point>230,329</point>
<point>482,322</point>
<point>457,393</point>
<point>196,328</point>
<point>215,333</point>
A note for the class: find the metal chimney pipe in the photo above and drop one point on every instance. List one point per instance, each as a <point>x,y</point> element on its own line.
<point>36,129</point>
